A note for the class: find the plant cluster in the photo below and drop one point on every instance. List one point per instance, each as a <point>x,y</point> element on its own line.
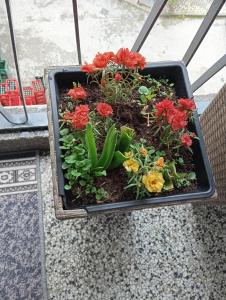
<point>95,141</point>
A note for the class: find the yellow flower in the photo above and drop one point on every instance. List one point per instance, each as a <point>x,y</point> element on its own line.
<point>131,165</point>
<point>128,154</point>
<point>160,162</point>
<point>153,181</point>
<point>143,151</point>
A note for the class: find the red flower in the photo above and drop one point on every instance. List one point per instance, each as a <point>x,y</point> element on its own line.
<point>129,59</point>
<point>140,60</point>
<point>126,58</point>
<point>104,109</point>
<point>163,107</point>
<point>80,121</point>
<point>82,109</point>
<point>88,68</point>
<point>118,77</point>
<point>81,116</point>
<point>177,119</point>
<point>101,60</point>
<point>77,93</point>
<point>68,116</point>
<point>186,140</point>
<point>186,104</point>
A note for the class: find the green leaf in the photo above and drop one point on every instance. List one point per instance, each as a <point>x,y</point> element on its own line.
<point>82,182</point>
<point>108,149</point>
<point>150,96</point>
<point>100,173</point>
<point>71,159</point>
<point>168,185</point>
<point>64,131</point>
<point>191,176</point>
<point>75,173</point>
<point>65,166</point>
<point>173,170</point>
<point>143,90</point>
<point>91,145</point>
<point>67,187</point>
<point>117,161</point>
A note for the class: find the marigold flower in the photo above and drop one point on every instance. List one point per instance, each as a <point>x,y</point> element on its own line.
<point>118,77</point>
<point>102,59</point>
<point>77,93</point>
<point>163,107</point>
<point>143,151</point>
<point>186,140</point>
<point>88,68</point>
<point>186,104</point>
<point>129,154</point>
<point>153,181</point>
<point>177,119</point>
<point>104,109</point>
<point>131,165</point>
<point>160,162</point>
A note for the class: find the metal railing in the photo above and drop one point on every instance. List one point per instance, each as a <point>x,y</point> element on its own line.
<point>148,25</point>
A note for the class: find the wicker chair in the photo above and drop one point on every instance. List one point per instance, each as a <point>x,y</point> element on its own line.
<point>213,122</point>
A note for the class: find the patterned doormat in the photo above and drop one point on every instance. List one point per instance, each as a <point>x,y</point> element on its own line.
<point>22,271</point>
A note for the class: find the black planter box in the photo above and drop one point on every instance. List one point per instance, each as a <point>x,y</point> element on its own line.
<point>176,72</point>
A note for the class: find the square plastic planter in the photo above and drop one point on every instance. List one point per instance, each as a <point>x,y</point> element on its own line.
<point>176,72</point>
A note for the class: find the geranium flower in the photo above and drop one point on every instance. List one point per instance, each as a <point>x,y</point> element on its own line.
<point>163,107</point>
<point>88,68</point>
<point>160,162</point>
<point>131,165</point>
<point>102,59</point>
<point>186,104</point>
<point>104,109</point>
<point>186,140</point>
<point>77,93</point>
<point>153,181</point>
<point>118,77</point>
<point>177,119</point>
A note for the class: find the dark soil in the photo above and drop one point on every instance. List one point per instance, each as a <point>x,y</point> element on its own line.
<point>124,114</point>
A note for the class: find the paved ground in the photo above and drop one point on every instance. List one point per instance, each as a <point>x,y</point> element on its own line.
<point>172,253</point>
<point>45,35</point>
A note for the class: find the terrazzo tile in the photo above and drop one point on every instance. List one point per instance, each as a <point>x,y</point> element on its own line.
<point>164,253</point>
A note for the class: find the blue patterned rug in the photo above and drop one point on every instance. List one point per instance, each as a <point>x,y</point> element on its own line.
<point>22,275</point>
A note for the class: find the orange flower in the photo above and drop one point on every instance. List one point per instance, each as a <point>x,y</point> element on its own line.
<point>143,151</point>
<point>160,162</point>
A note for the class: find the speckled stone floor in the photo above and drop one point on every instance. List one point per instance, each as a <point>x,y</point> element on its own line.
<point>165,253</point>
